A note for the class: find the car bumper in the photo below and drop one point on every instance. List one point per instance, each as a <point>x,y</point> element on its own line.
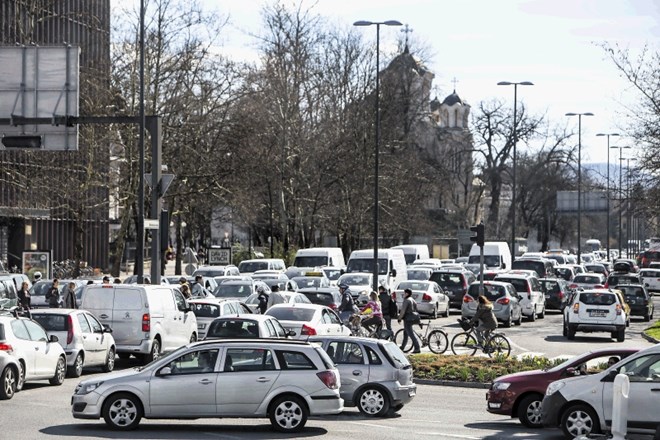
<point>593,328</point>
<point>499,402</point>
<point>425,308</point>
<point>403,394</point>
<point>86,406</point>
<point>325,405</point>
<point>550,409</point>
<point>143,348</point>
<point>639,310</point>
<point>553,303</point>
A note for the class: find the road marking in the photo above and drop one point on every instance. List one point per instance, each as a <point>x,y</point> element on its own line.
<point>372,425</point>
<point>444,434</point>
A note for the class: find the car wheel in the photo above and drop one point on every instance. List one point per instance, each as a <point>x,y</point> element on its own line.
<point>373,402</point>
<point>153,354</point>
<point>193,338</point>
<point>532,317</point>
<point>447,311</point>
<point>621,335</point>
<point>570,332</point>
<point>122,411</point>
<point>398,340</point>
<point>21,377</point>
<point>508,322</point>
<point>434,315</point>
<point>519,320</point>
<point>288,414</point>
<point>8,381</point>
<point>109,361</point>
<point>529,411</point>
<point>542,314</point>
<point>60,372</point>
<point>75,370</point>
<point>579,420</point>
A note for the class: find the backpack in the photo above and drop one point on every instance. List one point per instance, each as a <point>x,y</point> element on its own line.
<point>394,310</point>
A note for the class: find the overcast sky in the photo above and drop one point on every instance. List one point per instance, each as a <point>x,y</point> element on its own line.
<point>552,43</point>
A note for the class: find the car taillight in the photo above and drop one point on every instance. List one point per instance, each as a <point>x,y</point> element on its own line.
<point>329,378</point>
<point>576,307</point>
<point>146,323</point>
<point>6,347</point>
<point>333,306</point>
<point>307,330</point>
<point>561,295</point>
<point>618,309</point>
<point>607,285</point>
<point>573,286</point>
<point>467,299</point>
<point>69,332</point>
<point>504,301</point>
<point>426,297</point>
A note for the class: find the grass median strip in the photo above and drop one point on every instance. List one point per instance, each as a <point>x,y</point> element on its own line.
<point>654,331</point>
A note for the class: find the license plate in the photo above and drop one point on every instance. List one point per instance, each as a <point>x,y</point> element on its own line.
<point>597,313</point>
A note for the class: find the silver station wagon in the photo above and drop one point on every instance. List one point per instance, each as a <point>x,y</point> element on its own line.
<point>285,381</point>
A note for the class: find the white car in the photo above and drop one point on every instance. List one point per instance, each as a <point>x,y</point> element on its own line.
<point>308,320</point>
<point>582,405</point>
<point>290,298</point>
<point>208,309</point>
<point>358,283</point>
<point>85,341</point>
<point>532,298</point>
<point>589,280</point>
<point>595,310</point>
<point>429,297</point>
<point>650,279</point>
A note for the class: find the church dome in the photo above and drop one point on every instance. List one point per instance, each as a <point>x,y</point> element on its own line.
<point>452,99</point>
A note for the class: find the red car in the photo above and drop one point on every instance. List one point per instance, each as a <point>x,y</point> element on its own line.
<point>520,394</point>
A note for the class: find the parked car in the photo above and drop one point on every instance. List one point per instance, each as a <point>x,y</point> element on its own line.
<point>455,282</point>
<point>85,341</point>
<point>375,374</point>
<point>588,281</point>
<point>532,299</point>
<point>207,310</point>
<point>556,293</point>
<point>27,354</point>
<point>520,394</point>
<point>639,300</point>
<point>505,299</point>
<point>308,320</point>
<point>246,326</point>
<point>650,278</point>
<point>582,405</point>
<point>595,310</point>
<point>285,381</point>
<point>145,319</point>
<point>430,298</point>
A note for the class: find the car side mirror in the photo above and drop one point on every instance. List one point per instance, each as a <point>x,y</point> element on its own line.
<point>53,338</point>
<point>609,377</point>
<point>571,371</point>
<point>107,329</point>
<point>291,333</point>
<point>393,272</point>
<point>165,371</point>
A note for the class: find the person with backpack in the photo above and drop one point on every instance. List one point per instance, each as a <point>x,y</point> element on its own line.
<point>388,306</point>
<point>410,316</point>
<point>53,294</point>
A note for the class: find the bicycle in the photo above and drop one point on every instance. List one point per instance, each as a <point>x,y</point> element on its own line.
<point>465,343</point>
<point>355,326</point>
<point>435,339</point>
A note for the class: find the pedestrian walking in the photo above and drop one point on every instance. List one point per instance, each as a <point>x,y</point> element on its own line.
<point>69,295</point>
<point>185,290</point>
<point>409,316</point>
<point>53,294</point>
<point>262,297</point>
<point>388,306</point>
<point>24,299</point>
<point>275,296</point>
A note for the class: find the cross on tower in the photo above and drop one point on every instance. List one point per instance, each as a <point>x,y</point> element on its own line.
<point>454,81</point>
<point>406,30</point>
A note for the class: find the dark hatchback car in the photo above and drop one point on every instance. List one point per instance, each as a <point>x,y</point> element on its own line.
<point>556,293</point>
<point>616,278</point>
<point>520,394</point>
<point>543,268</point>
<point>455,283</point>
<point>639,300</point>
<point>324,296</point>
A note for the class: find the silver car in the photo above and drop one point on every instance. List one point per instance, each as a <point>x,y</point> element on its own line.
<point>505,299</point>
<point>286,381</point>
<point>375,374</point>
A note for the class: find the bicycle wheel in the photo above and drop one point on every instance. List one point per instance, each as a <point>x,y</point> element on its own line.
<point>498,345</point>
<point>438,341</point>
<point>464,343</point>
<point>398,340</point>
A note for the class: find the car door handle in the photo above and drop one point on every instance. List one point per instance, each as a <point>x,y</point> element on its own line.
<point>206,381</point>
<point>104,316</point>
<point>655,389</point>
<point>357,373</point>
<point>263,379</point>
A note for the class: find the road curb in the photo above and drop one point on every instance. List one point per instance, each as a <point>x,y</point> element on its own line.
<point>452,383</point>
<point>650,338</point>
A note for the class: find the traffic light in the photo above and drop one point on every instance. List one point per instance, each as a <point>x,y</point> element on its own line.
<point>480,237</point>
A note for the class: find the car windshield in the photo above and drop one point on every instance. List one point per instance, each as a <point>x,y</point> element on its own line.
<point>252,266</point>
<point>355,280</point>
<point>587,279</point>
<point>492,291</point>
<point>366,265</point>
<point>291,313</point>
<point>205,310</point>
<point>537,266</point>
<point>597,298</point>
<point>304,282</point>
<point>40,288</point>
<point>489,260</point>
<point>233,290</point>
<point>616,280</point>
<point>310,261</point>
<point>520,285</point>
<point>233,328</point>
<point>418,275</point>
<point>51,322</point>
<point>412,285</point>
<point>396,355</point>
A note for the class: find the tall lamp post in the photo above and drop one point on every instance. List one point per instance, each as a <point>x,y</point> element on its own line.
<point>628,208</point>
<point>515,141</point>
<point>579,212</point>
<point>608,187</point>
<point>620,193</point>
<point>377,146</point>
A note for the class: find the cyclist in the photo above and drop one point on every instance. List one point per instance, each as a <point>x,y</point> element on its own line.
<point>485,318</point>
<point>347,307</point>
<point>372,314</point>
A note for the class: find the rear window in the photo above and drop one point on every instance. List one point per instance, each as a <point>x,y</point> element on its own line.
<point>233,290</point>
<point>632,292</point>
<point>586,279</point>
<point>520,285</point>
<point>291,314</point>
<point>324,299</point>
<point>252,266</point>
<point>205,310</point>
<point>447,279</point>
<point>537,266</point>
<point>491,291</point>
<point>395,355</point>
<point>233,328</point>
<point>597,299</point>
<point>550,286</point>
<point>52,323</point>
<point>616,280</point>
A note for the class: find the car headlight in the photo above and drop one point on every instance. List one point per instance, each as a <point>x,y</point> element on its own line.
<point>554,387</point>
<point>501,386</point>
<point>87,388</point>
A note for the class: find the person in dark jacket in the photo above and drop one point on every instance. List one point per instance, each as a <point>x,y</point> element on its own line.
<point>347,307</point>
<point>407,314</point>
<point>485,318</point>
<point>69,296</point>
<point>24,299</point>
<point>388,306</point>
<point>262,297</point>
<point>53,294</point>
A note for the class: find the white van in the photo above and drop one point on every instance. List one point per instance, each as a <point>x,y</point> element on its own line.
<point>391,265</point>
<point>248,267</point>
<point>413,252</point>
<point>319,257</point>
<point>497,255</point>
<point>146,320</point>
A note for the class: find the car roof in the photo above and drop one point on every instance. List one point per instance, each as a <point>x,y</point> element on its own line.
<point>58,311</point>
<point>245,317</point>
<point>299,306</point>
<point>347,338</point>
<point>252,341</point>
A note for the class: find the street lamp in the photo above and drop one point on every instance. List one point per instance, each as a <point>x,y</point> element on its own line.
<point>579,212</point>
<point>628,207</point>
<point>515,141</point>
<point>377,146</point>
<point>620,193</point>
<point>608,187</point>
